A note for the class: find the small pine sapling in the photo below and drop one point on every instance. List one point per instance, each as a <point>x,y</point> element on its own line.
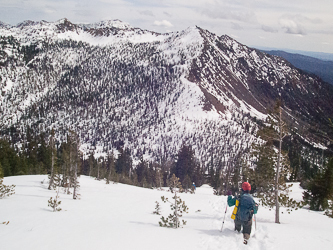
<point>6,190</point>
<point>157,208</point>
<point>178,206</point>
<point>329,210</point>
<point>53,202</point>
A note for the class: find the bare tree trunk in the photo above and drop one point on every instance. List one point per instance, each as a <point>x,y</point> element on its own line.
<point>98,169</point>
<point>176,214</point>
<point>56,199</point>
<point>70,169</point>
<point>75,181</point>
<point>160,177</point>
<point>52,161</point>
<point>75,168</point>
<point>109,175</point>
<point>89,168</point>
<point>277,205</point>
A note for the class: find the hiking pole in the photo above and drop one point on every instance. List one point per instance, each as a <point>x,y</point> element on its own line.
<point>226,208</point>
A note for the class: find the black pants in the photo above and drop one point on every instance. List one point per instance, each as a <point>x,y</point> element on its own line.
<point>247,226</point>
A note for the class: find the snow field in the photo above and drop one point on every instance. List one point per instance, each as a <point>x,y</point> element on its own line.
<point>118,216</point>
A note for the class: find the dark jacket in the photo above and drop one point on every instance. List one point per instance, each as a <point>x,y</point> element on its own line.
<point>246,208</point>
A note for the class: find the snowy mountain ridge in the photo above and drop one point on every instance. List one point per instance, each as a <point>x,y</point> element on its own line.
<point>118,85</point>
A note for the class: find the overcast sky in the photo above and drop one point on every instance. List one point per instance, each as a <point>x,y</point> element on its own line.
<point>286,24</point>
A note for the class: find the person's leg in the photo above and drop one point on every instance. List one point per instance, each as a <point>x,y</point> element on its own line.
<point>238,225</point>
<point>247,226</point>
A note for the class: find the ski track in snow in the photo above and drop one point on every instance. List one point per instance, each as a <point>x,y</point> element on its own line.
<point>228,238</point>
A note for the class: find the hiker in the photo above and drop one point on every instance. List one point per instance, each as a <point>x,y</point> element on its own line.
<point>245,207</point>
<point>193,188</point>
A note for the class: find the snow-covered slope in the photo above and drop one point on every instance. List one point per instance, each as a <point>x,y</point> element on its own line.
<point>118,85</point>
<point>118,216</point>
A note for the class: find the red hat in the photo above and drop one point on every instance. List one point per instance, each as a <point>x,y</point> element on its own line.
<point>246,186</point>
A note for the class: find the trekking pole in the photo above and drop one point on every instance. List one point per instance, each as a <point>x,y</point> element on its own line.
<point>255,222</point>
<point>226,208</point>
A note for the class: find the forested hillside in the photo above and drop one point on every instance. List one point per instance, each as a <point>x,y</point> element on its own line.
<point>136,106</point>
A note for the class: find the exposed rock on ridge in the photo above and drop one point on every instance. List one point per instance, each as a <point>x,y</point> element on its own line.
<point>119,85</point>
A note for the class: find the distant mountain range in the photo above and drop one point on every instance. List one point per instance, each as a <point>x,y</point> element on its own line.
<point>321,68</point>
<point>117,85</point>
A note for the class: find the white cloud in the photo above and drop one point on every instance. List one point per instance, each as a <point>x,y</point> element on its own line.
<point>293,24</point>
<point>246,19</point>
<point>146,13</point>
<point>164,23</point>
<point>236,26</point>
<point>269,29</point>
<point>167,14</point>
<point>218,13</point>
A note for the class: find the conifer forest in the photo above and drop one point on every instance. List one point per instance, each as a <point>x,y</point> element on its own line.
<point>144,107</point>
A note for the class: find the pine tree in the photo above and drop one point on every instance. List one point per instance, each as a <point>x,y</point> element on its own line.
<point>273,166</point>
<point>157,208</point>
<point>124,162</point>
<point>187,184</point>
<point>111,175</point>
<point>185,164</point>
<point>8,158</point>
<point>177,206</point>
<point>141,171</point>
<point>5,190</point>
<point>53,153</point>
<point>70,164</point>
<point>91,163</point>
<point>158,177</point>
<point>1,171</point>
<point>319,194</point>
<point>54,203</point>
<point>74,161</point>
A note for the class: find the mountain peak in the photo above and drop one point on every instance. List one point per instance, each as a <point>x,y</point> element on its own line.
<point>62,21</point>
<point>4,25</point>
<point>161,88</point>
<point>110,24</point>
<point>26,23</point>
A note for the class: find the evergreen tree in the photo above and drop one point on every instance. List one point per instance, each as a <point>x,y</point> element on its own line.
<point>8,158</point>
<point>54,203</point>
<point>124,166</point>
<point>217,180</point>
<point>43,155</point>
<point>319,194</point>
<point>158,177</point>
<point>1,172</point>
<point>178,206</point>
<point>157,208</point>
<point>262,177</point>
<point>73,141</point>
<point>69,160</point>
<point>186,163</point>
<point>272,168</point>
<point>53,154</point>
<point>5,190</point>
<point>31,151</point>
<point>111,175</point>
<point>187,183</point>
<point>91,163</point>
<point>141,170</point>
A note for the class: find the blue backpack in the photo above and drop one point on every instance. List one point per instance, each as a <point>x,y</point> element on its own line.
<point>246,206</point>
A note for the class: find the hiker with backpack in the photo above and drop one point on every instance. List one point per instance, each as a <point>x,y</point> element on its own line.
<point>245,207</point>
